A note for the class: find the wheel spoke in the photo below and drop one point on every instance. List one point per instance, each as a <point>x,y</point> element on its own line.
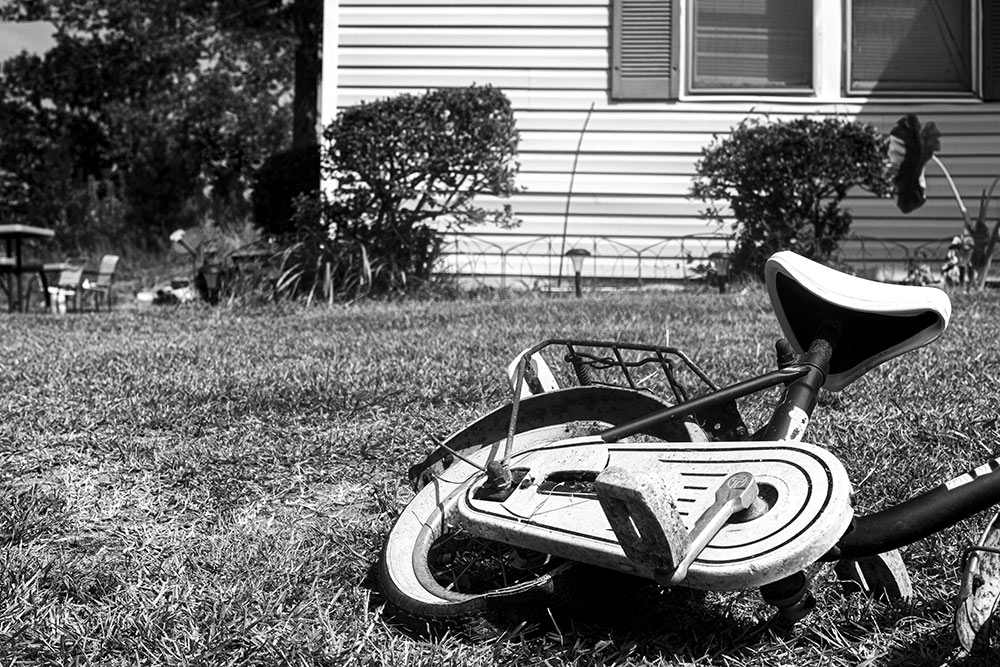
<point>468,566</point>
<point>466,563</point>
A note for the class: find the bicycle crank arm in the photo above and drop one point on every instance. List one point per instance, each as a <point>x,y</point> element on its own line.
<point>737,493</point>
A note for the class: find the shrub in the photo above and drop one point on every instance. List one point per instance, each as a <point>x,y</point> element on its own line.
<point>785,182</point>
<point>279,182</point>
<point>408,168</point>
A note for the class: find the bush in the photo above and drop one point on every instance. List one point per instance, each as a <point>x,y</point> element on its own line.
<point>785,182</point>
<point>407,169</point>
<point>279,182</point>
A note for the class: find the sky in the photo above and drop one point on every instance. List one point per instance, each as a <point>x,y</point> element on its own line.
<point>35,37</point>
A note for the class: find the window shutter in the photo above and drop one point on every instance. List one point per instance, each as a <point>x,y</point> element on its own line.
<point>991,50</point>
<point>644,48</point>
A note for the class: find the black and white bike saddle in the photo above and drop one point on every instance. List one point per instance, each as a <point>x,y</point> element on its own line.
<point>879,320</point>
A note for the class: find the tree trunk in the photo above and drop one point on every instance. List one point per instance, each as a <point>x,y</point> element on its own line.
<point>308,29</point>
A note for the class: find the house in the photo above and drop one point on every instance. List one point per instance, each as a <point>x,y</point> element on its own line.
<point>615,99</point>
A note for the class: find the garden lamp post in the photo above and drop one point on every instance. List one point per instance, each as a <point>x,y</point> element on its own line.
<point>577,255</point>
<point>721,262</point>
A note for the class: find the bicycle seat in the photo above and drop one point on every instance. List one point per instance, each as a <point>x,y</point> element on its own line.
<point>879,320</point>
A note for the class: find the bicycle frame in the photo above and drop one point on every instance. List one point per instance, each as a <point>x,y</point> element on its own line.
<point>675,488</point>
<point>871,534</point>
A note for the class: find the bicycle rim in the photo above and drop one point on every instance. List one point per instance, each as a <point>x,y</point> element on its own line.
<point>431,568</point>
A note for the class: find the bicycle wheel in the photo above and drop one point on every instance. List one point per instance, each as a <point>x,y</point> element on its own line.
<point>432,569</point>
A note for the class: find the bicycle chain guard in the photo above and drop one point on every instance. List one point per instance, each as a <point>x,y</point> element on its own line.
<point>980,592</point>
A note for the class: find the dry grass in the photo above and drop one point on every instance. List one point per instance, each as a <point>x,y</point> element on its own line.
<point>211,487</point>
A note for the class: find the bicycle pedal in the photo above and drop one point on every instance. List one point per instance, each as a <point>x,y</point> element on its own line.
<point>643,515</point>
<point>649,529</point>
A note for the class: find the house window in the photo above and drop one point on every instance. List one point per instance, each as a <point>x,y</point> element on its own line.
<point>751,45</point>
<point>910,46</point>
<point>776,47</point>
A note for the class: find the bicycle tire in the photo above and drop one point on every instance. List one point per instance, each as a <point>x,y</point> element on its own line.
<point>407,574</point>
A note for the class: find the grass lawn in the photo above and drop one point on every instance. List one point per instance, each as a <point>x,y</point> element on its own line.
<point>212,487</point>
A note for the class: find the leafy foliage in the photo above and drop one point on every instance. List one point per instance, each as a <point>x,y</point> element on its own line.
<point>970,255</point>
<point>169,107</point>
<point>317,264</point>
<point>283,178</point>
<point>408,167</point>
<point>975,249</point>
<point>785,181</point>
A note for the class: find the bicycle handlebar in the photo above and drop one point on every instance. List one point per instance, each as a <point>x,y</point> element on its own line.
<point>788,422</point>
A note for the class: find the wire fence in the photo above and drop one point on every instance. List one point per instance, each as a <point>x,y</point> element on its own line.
<point>540,261</point>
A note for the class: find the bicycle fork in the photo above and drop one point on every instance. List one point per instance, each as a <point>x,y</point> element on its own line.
<point>791,595</point>
<point>635,508</point>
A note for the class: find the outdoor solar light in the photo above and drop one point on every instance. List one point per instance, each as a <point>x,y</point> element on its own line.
<point>208,282</point>
<point>577,255</point>
<point>721,262</point>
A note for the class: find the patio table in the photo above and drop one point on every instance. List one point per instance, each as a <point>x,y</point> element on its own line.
<point>14,266</point>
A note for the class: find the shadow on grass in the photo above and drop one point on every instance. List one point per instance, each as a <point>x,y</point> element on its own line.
<point>642,620</point>
<point>617,616</point>
<point>938,648</point>
<point>624,618</point>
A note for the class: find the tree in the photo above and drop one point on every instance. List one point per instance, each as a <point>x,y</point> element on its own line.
<point>170,105</point>
<point>308,18</point>
<point>304,19</point>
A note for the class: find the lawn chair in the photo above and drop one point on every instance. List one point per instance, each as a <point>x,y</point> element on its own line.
<point>67,286</point>
<point>6,266</point>
<point>100,288</point>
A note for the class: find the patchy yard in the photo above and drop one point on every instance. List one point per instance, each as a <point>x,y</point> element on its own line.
<point>212,487</point>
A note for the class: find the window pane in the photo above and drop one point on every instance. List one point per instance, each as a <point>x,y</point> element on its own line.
<point>752,44</point>
<point>911,46</point>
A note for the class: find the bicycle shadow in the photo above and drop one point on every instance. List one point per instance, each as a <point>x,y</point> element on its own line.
<point>625,617</point>
<point>937,649</point>
<point>641,620</point>
<point>617,616</point>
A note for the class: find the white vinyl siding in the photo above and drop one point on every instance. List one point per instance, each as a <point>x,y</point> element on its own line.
<point>552,58</point>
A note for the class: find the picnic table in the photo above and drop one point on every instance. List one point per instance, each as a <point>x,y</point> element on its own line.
<point>13,266</point>
<point>249,256</point>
